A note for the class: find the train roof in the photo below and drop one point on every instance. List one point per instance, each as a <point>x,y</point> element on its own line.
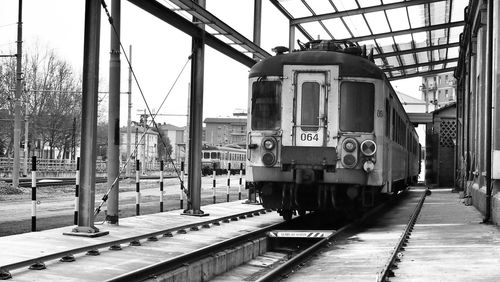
<point>350,65</point>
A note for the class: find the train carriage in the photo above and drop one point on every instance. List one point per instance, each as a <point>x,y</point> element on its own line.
<point>326,130</point>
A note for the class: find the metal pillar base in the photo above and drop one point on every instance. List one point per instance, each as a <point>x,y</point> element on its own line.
<point>89,232</point>
<point>198,213</point>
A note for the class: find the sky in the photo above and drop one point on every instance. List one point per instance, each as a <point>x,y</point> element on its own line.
<point>159,51</point>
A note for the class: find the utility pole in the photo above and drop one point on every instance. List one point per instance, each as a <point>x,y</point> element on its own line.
<point>129,120</point>
<point>26,126</point>
<point>17,102</point>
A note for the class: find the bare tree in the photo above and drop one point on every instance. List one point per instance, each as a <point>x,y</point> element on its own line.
<point>52,93</point>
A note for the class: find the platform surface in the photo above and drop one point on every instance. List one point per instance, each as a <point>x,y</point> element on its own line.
<point>110,264</point>
<point>449,243</point>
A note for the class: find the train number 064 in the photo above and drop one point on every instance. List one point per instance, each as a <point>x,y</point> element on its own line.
<point>309,137</point>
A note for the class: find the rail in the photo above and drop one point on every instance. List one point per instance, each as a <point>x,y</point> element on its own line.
<point>403,239</point>
<point>39,261</point>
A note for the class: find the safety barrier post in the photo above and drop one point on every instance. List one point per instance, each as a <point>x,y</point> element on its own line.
<point>228,180</point>
<point>33,193</point>
<point>241,181</point>
<point>77,190</point>
<point>161,186</point>
<point>214,182</point>
<point>137,188</point>
<point>181,197</point>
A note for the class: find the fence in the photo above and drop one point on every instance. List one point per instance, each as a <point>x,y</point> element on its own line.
<point>53,167</point>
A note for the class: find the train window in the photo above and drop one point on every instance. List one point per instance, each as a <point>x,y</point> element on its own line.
<point>206,155</point>
<point>266,105</point>
<point>356,106</point>
<point>387,118</point>
<point>213,155</point>
<point>310,106</point>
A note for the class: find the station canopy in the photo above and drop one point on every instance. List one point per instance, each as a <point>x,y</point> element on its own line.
<point>409,38</point>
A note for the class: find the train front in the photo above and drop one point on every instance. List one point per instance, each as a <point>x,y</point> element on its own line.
<point>311,130</point>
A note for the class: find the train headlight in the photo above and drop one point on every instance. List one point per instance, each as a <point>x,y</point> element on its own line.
<point>368,166</point>
<point>268,159</point>
<point>349,160</point>
<point>368,148</point>
<point>350,145</point>
<point>269,144</point>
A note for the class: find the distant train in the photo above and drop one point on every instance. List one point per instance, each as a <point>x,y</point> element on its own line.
<point>326,131</point>
<point>221,158</point>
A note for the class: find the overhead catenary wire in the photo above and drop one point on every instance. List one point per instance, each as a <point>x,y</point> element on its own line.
<point>105,197</point>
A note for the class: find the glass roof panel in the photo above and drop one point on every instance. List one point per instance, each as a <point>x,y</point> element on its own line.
<point>422,69</point>
<point>420,39</point>
<point>337,28</point>
<point>391,1</point>
<point>422,57</point>
<point>453,52</point>
<point>369,3</point>
<point>316,30</point>
<point>377,22</point>
<point>438,12</point>
<point>379,62</point>
<point>438,67</point>
<point>396,73</point>
<point>343,5</point>
<point>386,44</point>
<point>321,6</point>
<point>457,10</point>
<point>357,25</point>
<point>455,33</point>
<point>296,8</point>
<point>451,65</point>
<point>438,37</point>
<point>442,54</point>
<point>411,71</point>
<point>408,59</point>
<point>417,18</point>
<point>398,19</point>
<point>435,55</point>
<point>369,45</point>
<point>393,61</point>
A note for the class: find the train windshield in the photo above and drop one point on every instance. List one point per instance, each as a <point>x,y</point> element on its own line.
<point>356,106</point>
<point>266,108</point>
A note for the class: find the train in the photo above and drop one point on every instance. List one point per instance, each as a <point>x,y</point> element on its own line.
<point>222,159</point>
<point>326,131</point>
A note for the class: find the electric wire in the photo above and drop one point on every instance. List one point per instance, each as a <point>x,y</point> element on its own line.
<point>106,195</point>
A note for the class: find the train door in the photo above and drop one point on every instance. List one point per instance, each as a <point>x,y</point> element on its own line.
<point>310,109</point>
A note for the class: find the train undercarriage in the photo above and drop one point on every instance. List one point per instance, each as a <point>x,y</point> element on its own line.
<point>291,198</point>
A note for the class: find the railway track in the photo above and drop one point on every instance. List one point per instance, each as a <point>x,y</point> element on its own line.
<point>81,257</point>
<point>62,181</point>
<point>362,263</point>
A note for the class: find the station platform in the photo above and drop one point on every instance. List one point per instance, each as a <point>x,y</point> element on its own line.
<point>109,264</point>
<point>449,243</point>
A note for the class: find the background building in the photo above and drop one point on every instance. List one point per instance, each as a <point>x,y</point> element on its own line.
<point>227,130</point>
<point>438,90</point>
<point>176,136</point>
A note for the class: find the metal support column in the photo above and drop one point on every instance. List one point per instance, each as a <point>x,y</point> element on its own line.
<point>291,37</point>
<point>114,115</point>
<point>89,121</point>
<point>496,99</point>
<point>257,22</point>
<point>195,126</point>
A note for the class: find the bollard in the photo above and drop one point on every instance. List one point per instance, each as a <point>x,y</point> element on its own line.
<point>228,180</point>
<point>181,197</point>
<point>77,190</point>
<point>137,188</point>
<point>33,193</point>
<point>214,182</point>
<point>161,186</point>
<point>241,181</point>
